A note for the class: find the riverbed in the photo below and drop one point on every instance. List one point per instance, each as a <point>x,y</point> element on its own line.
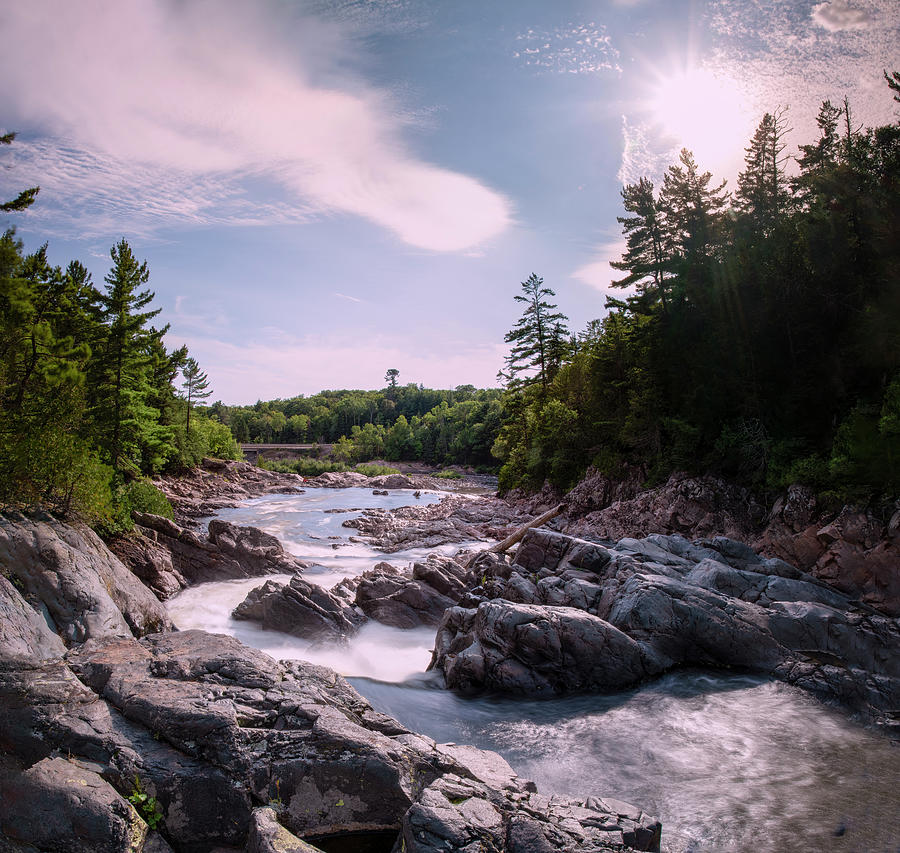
<point>728,762</point>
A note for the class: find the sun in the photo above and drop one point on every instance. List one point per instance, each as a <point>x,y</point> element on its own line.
<point>706,112</point>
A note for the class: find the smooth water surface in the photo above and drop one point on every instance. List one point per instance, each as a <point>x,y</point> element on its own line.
<point>727,762</point>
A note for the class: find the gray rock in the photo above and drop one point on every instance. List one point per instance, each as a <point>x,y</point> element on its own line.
<point>643,606</point>
<point>57,805</point>
<point>82,589</point>
<point>24,634</point>
<point>402,602</point>
<point>267,835</point>
<point>300,608</point>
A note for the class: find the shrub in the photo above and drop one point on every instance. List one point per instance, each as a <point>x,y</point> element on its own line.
<point>372,470</point>
<point>449,474</point>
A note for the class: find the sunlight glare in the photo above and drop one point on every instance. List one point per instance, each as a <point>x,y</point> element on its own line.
<point>707,113</point>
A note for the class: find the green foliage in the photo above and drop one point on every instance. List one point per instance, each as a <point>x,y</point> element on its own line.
<point>371,470</point>
<point>758,336</point>
<point>449,474</point>
<point>147,807</point>
<point>143,496</point>
<point>303,467</point>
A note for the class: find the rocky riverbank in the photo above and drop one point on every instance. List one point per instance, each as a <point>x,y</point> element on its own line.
<point>119,734</point>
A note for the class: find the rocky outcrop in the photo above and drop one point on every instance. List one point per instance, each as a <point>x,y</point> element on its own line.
<point>69,576</point>
<point>854,551</point>
<point>43,804</point>
<point>300,608</point>
<point>455,519</point>
<point>219,483</point>
<point>168,557</point>
<point>386,594</point>
<point>690,506</point>
<point>571,615</point>
<point>183,740</point>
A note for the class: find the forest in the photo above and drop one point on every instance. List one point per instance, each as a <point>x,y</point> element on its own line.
<point>757,336</point>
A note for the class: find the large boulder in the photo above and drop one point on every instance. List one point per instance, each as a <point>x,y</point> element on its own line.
<point>70,576</point>
<point>571,615</point>
<point>300,608</point>
<point>392,598</point>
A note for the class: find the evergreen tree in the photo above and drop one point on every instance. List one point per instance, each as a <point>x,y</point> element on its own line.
<point>762,191</point>
<point>121,383</point>
<point>26,197</point>
<point>647,243</point>
<point>694,222</point>
<point>533,334</point>
<point>196,386</point>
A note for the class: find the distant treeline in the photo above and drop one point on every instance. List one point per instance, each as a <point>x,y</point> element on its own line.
<point>400,422</point>
<point>759,337</point>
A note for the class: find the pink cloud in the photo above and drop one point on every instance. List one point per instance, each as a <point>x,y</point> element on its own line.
<point>200,97</point>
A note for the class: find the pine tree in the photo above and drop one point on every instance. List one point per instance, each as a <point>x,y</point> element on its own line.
<point>121,386</point>
<point>647,245</point>
<point>26,197</point>
<point>196,386</point>
<point>762,191</point>
<point>533,334</point>
<point>694,224</point>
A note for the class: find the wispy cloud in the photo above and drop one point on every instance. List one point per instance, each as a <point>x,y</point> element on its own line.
<point>598,273</point>
<point>348,298</point>
<point>165,113</point>
<point>574,49</point>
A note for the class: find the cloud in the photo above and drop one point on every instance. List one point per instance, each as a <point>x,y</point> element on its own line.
<point>348,298</point>
<point>279,365</point>
<point>598,273</point>
<point>641,157</point>
<point>840,15</point>
<point>169,112</point>
<point>573,49</point>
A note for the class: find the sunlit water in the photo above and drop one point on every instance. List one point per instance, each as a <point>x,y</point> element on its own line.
<point>727,762</point>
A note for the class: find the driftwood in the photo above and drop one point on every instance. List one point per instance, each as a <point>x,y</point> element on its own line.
<point>512,539</point>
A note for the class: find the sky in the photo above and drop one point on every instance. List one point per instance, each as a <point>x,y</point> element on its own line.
<point>325,189</point>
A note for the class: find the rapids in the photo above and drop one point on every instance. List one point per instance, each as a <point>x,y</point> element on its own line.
<point>728,762</point>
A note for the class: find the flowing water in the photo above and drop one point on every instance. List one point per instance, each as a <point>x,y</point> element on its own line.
<point>727,762</point>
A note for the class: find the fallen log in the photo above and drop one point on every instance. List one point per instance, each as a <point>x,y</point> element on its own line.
<point>512,539</point>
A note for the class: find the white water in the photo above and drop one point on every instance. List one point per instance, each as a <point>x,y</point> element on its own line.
<point>727,762</point>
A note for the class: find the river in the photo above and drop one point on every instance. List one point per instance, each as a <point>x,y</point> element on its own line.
<point>728,762</point>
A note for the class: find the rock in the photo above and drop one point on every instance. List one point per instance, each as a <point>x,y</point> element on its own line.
<point>853,551</point>
<point>24,634</point>
<point>300,608</point>
<point>218,483</point>
<point>267,835</point>
<point>402,602</point>
<point>289,733</point>
<point>575,615</point>
<point>392,481</point>
<point>692,506</point>
<point>68,574</point>
<point>455,519</point>
<point>169,557</point>
<point>57,805</point>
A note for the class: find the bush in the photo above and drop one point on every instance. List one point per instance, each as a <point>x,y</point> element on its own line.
<point>449,474</point>
<point>372,470</point>
<point>303,466</point>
